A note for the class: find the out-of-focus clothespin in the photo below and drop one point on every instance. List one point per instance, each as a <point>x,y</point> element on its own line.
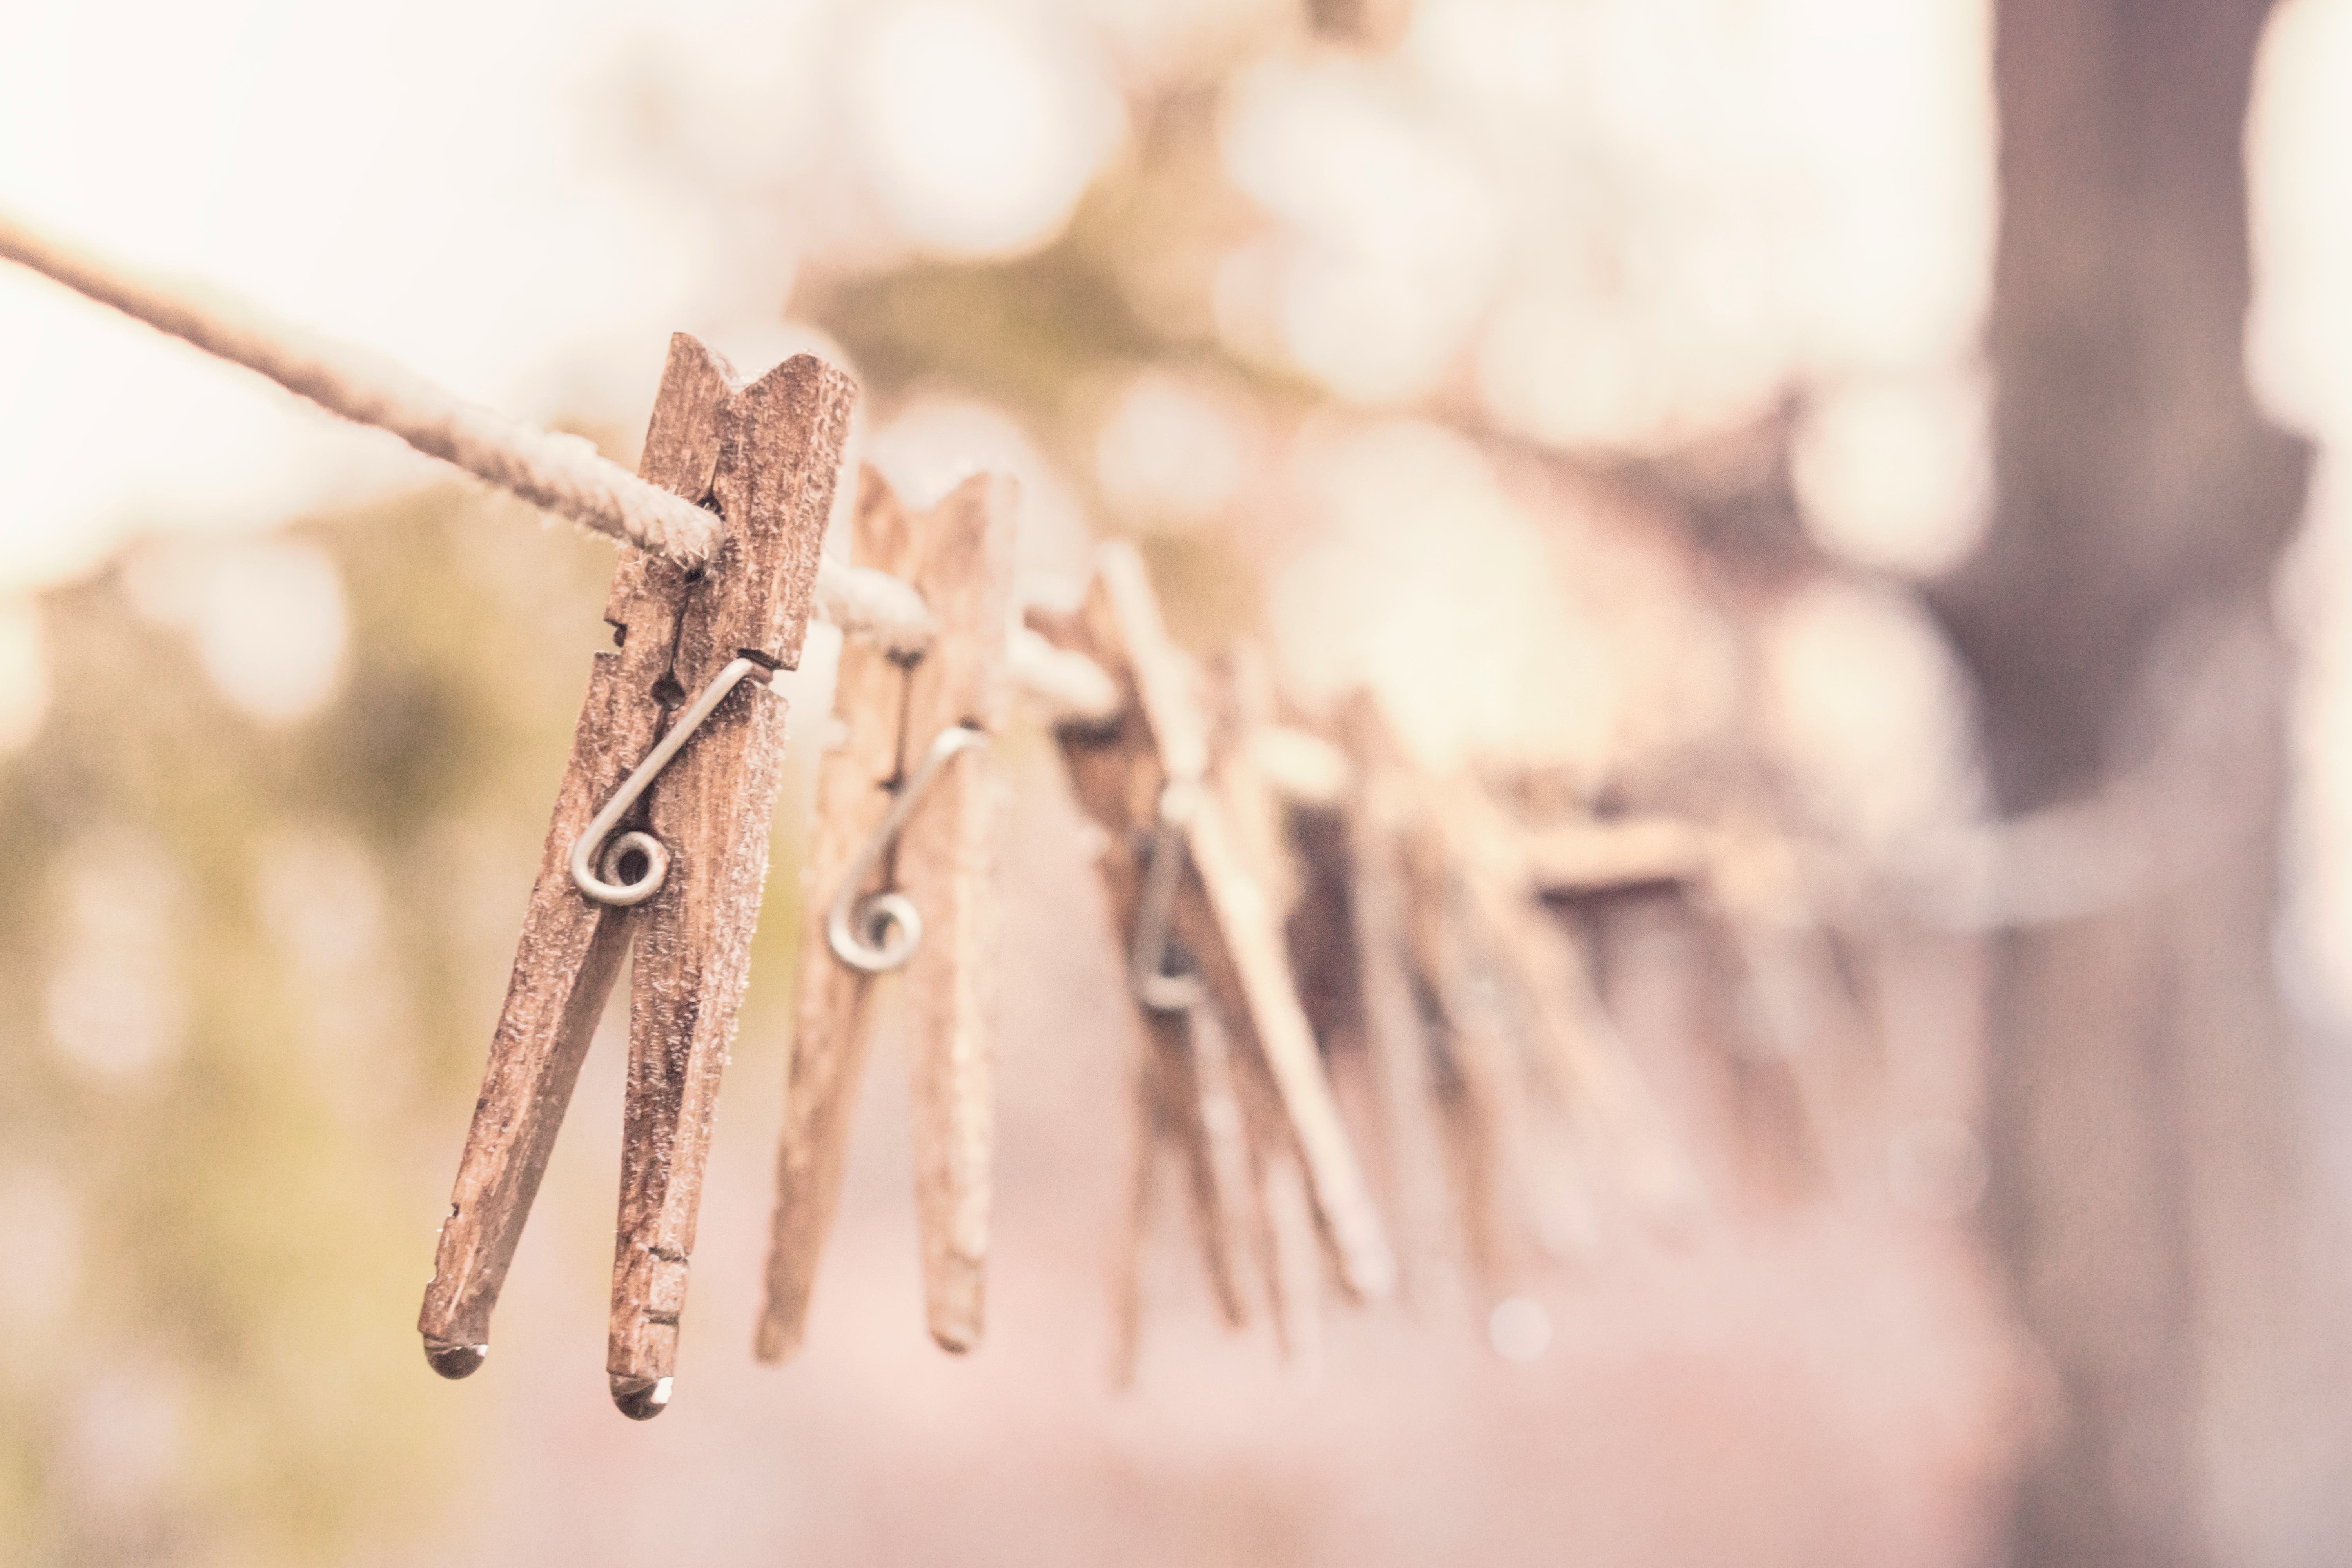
<point>1549,980</point>
<point>1240,710</point>
<point>1799,1012</point>
<point>1533,1087</point>
<point>1182,886</point>
<point>1453,1042</point>
<point>901,875</point>
<point>659,836</point>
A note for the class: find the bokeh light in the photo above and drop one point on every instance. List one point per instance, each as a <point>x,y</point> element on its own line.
<point>1602,387</point>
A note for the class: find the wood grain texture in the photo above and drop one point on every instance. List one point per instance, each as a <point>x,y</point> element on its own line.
<point>960,556</point>
<point>1246,967</point>
<point>1223,916</point>
<point>831,1015</point>
<point>780,448</point>
<point>948,856</point>
<point>571,947</point>
<point>1187,1112</point>
<point>1240,702</point>
<point>1185,1105</point>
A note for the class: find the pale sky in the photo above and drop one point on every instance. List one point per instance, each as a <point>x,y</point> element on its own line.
<point>438,181</point>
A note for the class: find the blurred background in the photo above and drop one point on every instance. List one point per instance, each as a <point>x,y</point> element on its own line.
<point>1900,439</point>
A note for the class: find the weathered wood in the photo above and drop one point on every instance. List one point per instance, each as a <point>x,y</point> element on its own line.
<point>1398,1050</point>
<point>571,948</point>
<point>1232,1112</point>
<point>833,1012</point>
<point>1594,1075</point>
<point>1184,1112</point>
<point>1524,1071</point>
<point>960,554</point>
<point>1483,1088</point>
<point>1277,1217</point>
<point>948,864</point>
<point>1224,915</point>
<point>780,450</point>
<point>765,456</point>
<point>1135,1230</point>
<point>1184,1099</point>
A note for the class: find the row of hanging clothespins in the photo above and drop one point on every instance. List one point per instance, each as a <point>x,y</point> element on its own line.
<point>1242,849</point>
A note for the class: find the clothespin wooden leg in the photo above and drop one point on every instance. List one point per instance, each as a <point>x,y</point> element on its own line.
<point>1186,1106</point>
<point>1185,1110</point>
<point>1119,771</point>
<point>944,863</point>
<point>780,448</point>
<point>765,455</point>
<point>1248,974</point>
<point>1485,1062</point>
<point>1494,907</point>
<point>829,1035</point>
<point>1288,1273</point>
<point>571,947</point>
<point>948,864</point>
<point>1215,1134</point>
<point>1151,1146</point>
<point>1398,1036</point>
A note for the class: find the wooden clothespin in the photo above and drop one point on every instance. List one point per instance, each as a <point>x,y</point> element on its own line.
<point>1240,708</point>
<point>659,836</point>
<point>1805,1069</point>
<point>1453,1038</point>
<point>1747,882</point>
<point>1804,1024</point>
<point>1577,1046</point>
<point>1181,883</point>
<point>902,875</point>
<point>1347,932</point>
<point>1539,974</point>
<point>1520,1044</point>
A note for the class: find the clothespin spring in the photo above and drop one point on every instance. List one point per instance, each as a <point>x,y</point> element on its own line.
<point>586,858</point>
<point>882,932</point>
<point>1155,911</point>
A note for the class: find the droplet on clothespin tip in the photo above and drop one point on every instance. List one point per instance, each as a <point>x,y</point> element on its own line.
<point>454,1360</point>
<point>641,1399</point>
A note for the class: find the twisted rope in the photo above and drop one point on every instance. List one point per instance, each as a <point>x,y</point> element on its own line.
<point>561,473</point>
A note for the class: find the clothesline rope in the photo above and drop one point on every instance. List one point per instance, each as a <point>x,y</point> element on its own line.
<point>562,473</point>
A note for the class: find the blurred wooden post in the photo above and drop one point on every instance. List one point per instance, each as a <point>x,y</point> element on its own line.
<point>2152,1194</point>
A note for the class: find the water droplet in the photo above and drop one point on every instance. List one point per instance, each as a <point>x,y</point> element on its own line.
<point>641,1399</point>
<point>454,1360</point>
